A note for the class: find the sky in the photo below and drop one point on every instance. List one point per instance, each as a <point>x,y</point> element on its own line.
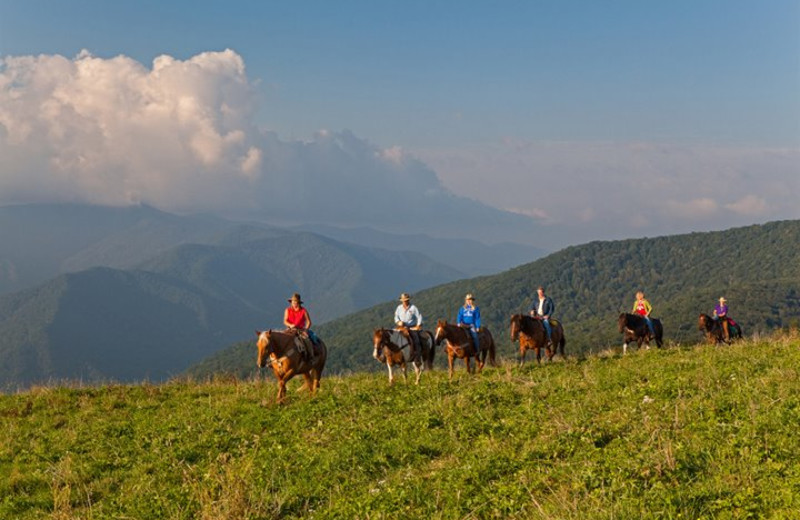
<point>551,123</point>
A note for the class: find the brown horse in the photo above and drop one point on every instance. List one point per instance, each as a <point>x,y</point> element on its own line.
<point>713,329</point>
<point>459,345</point>
<point>287,360</point>
<point>388,345</point>
<point>532,336</point>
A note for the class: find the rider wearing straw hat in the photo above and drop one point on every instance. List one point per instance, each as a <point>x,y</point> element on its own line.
<point>469,316</point>
<point>296,318</point>
<point>407,317</point>
<point>721,314</point>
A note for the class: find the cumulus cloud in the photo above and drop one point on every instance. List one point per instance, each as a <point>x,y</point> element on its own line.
<point>179,135</point>
<point>749,205</point>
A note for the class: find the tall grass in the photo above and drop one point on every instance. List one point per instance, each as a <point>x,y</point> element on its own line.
<point>684,432</point>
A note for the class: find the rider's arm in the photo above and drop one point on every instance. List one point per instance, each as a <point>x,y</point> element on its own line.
<point>286,319</point>
<point>477,318</point>
<point>648,308</point>
<point>419,318</point>
<point>308,319</point>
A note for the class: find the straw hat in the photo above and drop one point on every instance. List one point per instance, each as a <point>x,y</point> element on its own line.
<point>295,298</point>
<point>405,297</point>
<point>469,297</point>
<point>722,299</point>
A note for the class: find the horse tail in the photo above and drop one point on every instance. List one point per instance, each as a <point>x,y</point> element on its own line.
<point>492,360</point>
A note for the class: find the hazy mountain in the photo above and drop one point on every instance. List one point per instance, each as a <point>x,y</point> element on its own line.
<point>469,256</point>
<point>757,268</point>
<point>189,301</point>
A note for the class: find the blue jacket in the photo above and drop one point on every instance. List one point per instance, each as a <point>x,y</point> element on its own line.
<point>547,308</point>
<point>469,315</point>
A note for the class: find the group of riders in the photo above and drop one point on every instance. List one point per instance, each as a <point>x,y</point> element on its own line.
<point>408,318</point>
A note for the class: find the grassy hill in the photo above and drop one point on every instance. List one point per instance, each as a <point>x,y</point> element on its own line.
<point>689,432</point>
<point>757,268</point>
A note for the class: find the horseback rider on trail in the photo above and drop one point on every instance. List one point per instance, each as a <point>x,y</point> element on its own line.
<point>297,320</point>
<point>407,317</point>
<point>721,314</point>
<point>469,317</point>
<point>643,308</point>
<point>542,309</point>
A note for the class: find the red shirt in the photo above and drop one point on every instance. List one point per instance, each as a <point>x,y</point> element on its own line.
<point>298,318</point>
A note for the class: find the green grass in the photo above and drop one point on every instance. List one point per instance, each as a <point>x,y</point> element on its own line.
<point>683,432</point>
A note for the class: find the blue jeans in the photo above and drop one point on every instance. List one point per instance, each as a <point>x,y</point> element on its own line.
<point>650,325</point>
<point>474,335</point>
<point>547,328</point>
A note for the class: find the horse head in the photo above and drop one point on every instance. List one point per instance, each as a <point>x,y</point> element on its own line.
<point>264,347</point>
<point>703,322</point>
<point>441,332</point>
<point>378,340</point>
<point>516,325</point>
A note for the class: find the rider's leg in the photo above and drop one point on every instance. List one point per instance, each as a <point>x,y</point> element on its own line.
<point>650,325</point>
<point>726,330</point>
<point>548,329</point>
<point>475,343</point>
<point>414,348</point>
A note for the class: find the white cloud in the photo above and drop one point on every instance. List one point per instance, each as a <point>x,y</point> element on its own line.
<point>179,135</point>
<point>749,205</point>
<point>592,190</point>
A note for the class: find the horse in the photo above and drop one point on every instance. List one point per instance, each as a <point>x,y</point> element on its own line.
<point>714,331</point>
<point>459,344</point>
<point>532,336</point>
<point>388,345</point>
<point>287,360</point>
<point>634,327</point>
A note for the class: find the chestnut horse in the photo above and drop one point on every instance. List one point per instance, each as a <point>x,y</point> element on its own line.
<point>532,336</point>
<point>459,345</point>
<point>287,360</point>
<point>388,345</point>
<point>713,329</point>
<point>634,327</point>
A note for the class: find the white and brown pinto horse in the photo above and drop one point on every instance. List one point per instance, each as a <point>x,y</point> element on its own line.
<point>388,347</point>
<point>287,360</point>
<point>459,344</point>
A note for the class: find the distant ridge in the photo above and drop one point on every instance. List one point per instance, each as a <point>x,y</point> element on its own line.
<point>757,268</point>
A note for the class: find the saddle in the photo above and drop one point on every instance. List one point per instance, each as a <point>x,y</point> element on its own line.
<point>304,345</point>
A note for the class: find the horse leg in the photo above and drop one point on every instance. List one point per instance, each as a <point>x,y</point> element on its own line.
<point>281,391</point>
<point>389,366</point>
<point>309,382</point>
<point>450,364</point>
<point>404,366</point>
<point>522,351</point>
<point>469,366</point>
<point>625,348</point>
<point>418,369</point>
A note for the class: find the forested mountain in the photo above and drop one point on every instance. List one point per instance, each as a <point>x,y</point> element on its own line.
<point>757,268</point>
<point>472,257</point>
<point>172,310</point>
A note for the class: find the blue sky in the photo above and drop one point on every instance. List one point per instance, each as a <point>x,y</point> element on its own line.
<point>447,80</point>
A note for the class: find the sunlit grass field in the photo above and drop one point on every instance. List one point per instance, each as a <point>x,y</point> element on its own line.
<point>682,432</point>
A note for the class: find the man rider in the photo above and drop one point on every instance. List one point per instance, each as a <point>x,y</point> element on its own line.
<point>542,309</point>
<point>407,317</point>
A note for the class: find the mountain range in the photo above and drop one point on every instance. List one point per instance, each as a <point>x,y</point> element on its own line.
<point>96,293</point>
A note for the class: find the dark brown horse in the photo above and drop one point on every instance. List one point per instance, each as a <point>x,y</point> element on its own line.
<point>389,344</point>
<point>532,336</point>
<point>459,345</point>
<point>284,351</point>
<point>634,327</point>
<point>713,329</point>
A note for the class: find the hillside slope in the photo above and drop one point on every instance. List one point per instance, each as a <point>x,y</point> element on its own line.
<point>757,268</point>
<point>692,432</point>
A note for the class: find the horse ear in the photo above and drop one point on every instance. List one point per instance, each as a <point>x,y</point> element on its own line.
<point>258,332</point>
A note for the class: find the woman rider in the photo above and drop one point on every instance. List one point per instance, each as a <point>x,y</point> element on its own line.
<point>643,308</point>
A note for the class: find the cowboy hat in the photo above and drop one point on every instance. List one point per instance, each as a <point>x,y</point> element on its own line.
<point>405,297</point>
<point>469,297</point>
<point>295,297</point>
<point>722,299</point>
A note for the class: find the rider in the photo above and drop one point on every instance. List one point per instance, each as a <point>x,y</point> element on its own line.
<point>542,309</point>
<point>469,316</point>
<point>643,308</point>
<point>296,318</point>
<point>407,317</point>
<point>721,314</point>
